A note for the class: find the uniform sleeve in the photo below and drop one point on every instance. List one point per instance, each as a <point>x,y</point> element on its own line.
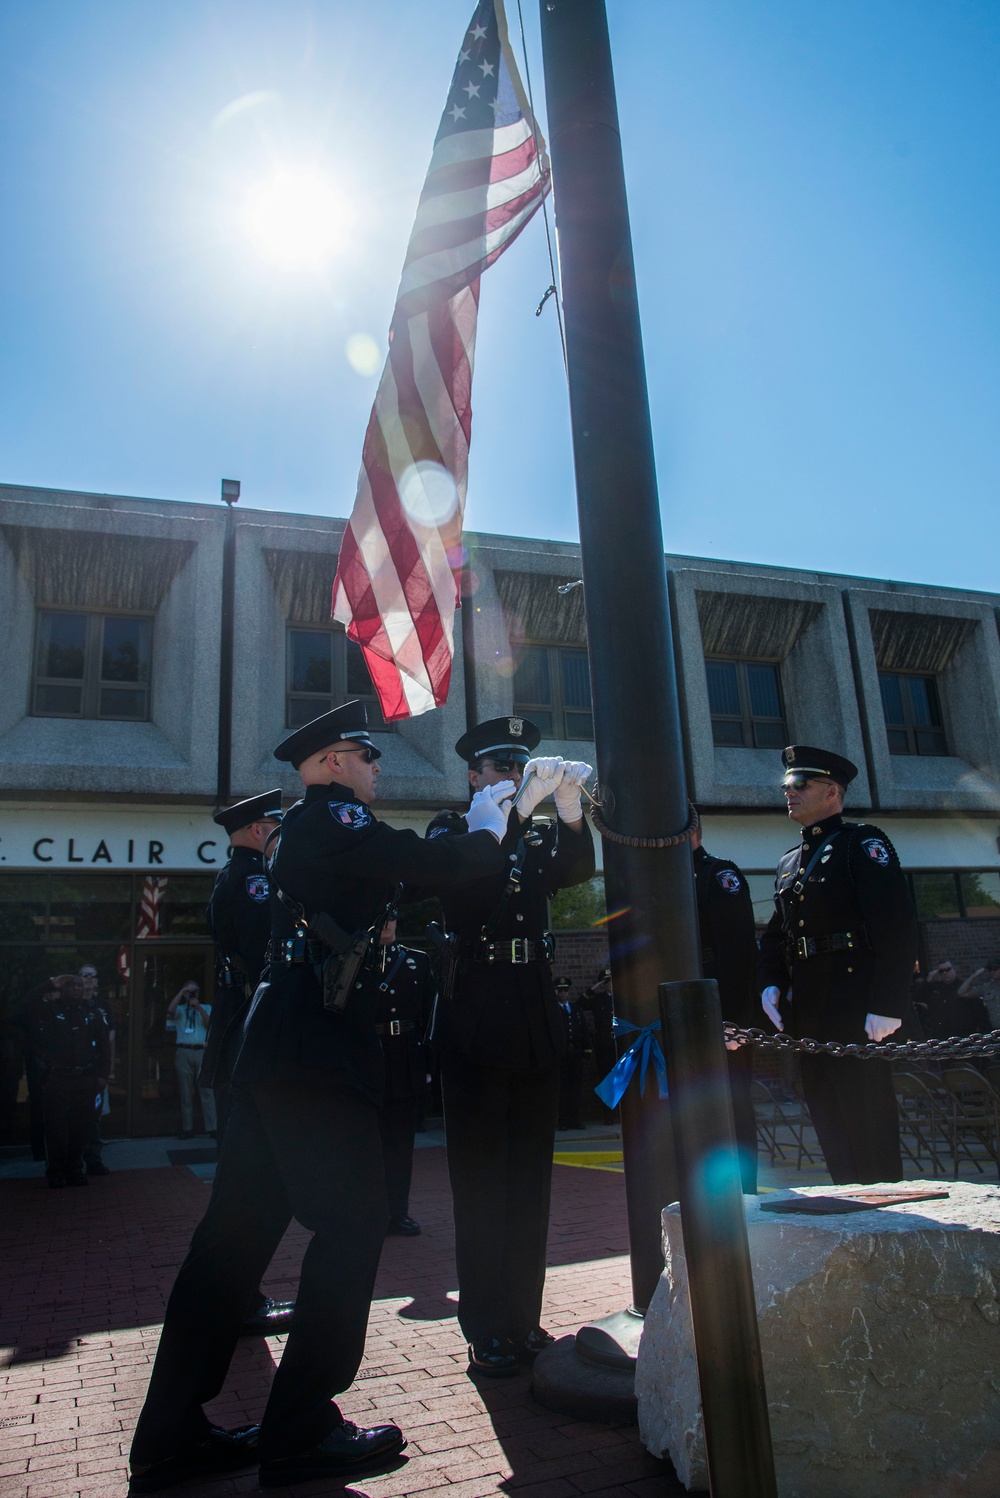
<point>574,862</point>
<point>772,969</point>
<point>399,856</point>
<point>103,1036</point>
<point>732,935</point>
<point>889,918</point>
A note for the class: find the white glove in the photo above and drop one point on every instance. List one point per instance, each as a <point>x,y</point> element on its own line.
<point>769,1001</point>
<point>490,809</point>
<point>568,803</point>
<point>878,1026</point>
<point>542,777</point>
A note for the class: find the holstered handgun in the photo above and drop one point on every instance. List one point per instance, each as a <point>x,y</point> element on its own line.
<point>348,951</point>
<point>446,947</point>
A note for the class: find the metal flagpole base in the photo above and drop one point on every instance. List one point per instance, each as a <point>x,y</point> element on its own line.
<point>592,1376</point>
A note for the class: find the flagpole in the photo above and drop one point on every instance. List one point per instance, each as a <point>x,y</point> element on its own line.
<point>652,927</point>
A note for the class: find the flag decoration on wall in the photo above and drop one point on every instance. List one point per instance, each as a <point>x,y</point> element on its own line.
<point>396,588</point>
<point>147,921</point>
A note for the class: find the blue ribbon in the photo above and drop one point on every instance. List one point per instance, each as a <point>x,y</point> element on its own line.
<point>644,1048</point>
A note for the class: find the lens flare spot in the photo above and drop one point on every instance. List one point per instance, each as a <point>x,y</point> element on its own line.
<point>428,494</point>
<point>719,1171</point>
<point>297,217</point>
<point>363,354</point>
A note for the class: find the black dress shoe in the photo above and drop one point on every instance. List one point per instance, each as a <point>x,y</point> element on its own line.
<point>535,1342</point>
<point>347,1449</point>
<point>493,1357</point>
<point>220,1451</point>
<point>97,1168</point>
<point>270,1318</point>
<point>402,1227</point>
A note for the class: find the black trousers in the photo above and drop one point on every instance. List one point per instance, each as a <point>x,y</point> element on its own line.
<point>305,1151</point>
<point>853,1109</point>
<point>70,1106</point>
<point>571,1091</point>
<point>397,1124</point>
<point>500,1128</point>
<point>740,1066</point>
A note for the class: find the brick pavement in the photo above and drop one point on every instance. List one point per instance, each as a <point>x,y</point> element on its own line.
<point>83,1279</point>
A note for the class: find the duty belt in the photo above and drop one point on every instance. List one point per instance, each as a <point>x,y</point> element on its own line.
<point>519,950</point>
<point>396,1027</point>
<point>820,946</point>
<point>303,952</point>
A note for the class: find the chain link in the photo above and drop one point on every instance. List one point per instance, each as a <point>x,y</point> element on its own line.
<point>909,1050</point>
<point>693,823</point>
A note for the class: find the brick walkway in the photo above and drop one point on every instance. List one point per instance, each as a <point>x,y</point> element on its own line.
<point>83,1279</point>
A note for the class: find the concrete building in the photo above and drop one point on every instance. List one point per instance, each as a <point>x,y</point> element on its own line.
<point>109,729</point>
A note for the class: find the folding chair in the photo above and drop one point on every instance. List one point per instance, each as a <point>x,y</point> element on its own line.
<point>976,1122</point>
<point>924,1125</point>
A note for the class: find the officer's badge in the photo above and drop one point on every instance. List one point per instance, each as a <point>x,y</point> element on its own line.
<point>257,888</point>
<point>350,815</point>
<point>515,727</point>
<point>876,850</point>
<point>411,962</point>
<point>730,881</point>
<point>789,755</point>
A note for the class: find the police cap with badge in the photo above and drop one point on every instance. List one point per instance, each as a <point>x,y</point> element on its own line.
<point>347,723</point>
<point>506,741</point>
<point>266,807</point>
<point>802,760</point>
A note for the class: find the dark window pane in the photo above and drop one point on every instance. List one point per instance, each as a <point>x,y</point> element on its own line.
<point>579,725</point>
<point>23,899</point>
<point>359,682</point>
<point>892,701</point>
<point>116,702</point>
<point>531,677</point>
<point>180,910</point>
<point>727,733</point>
<point>762,686</point>
<point>542,719</point>
<point>90,907</point>
<point>920,707</point>
<point>981,893</point>
<point>575,678</point>
<point>61,701</point>
<point>899,742</point>
<point>125,652</point>
<point>770,735</point>
<point>62,640</point>
<point>309,663</point>
<point>723,689</point>
<point>931,741</point>
<point>304,709</point>
<point>936,895</point>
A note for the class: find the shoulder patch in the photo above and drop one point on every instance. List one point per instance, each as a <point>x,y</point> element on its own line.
<point>258,888</point>
<point>876,850</point>
<point>730,881</point>
<point>348,814</point>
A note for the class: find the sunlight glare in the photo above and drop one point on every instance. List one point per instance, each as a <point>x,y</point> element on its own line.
<point>297,217</point>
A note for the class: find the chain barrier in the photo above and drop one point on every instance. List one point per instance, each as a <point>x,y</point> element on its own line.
<point>908,1050</point>
<point>693,823</point>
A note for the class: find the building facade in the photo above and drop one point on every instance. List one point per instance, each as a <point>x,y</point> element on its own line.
<point>110,732</point>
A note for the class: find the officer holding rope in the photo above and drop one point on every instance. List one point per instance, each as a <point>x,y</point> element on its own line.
<point>835,963</point>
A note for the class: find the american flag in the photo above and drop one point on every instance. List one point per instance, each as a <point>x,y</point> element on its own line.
<point>148,922</point>
<point>396,587</point>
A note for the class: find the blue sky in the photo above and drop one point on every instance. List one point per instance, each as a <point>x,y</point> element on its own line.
<point>816,220</point>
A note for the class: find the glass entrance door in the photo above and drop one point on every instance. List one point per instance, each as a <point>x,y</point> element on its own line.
<point>160,970</point>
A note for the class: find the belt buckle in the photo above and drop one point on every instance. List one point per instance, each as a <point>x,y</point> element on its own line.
<point>519,949</point>
<point>394,1027</point>
<point>802,946</point>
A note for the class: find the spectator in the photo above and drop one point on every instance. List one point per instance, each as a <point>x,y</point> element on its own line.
<point>944,1009</point>
<point>188,1017</point>
<point>571,1067</point>
<point>69,1036</point>
<point>984,985</point>
<point>93,1154</point>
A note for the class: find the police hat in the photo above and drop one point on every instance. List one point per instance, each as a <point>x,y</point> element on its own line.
<point>347,722</point>
<point>563,985</point>
<point>508,738</point>
<point>803,759</point>
<point>254,809</point>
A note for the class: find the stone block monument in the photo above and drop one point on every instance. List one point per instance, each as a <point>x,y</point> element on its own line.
<point>880,1334</point>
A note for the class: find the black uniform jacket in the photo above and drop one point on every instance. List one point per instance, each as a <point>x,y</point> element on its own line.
<point>68,1037</point>
<point>334,855</point>
<point>503,1013</point>
<point>855,885</point>
<point>728,934</point>
<point>404,993</point>
<point>239,922</point>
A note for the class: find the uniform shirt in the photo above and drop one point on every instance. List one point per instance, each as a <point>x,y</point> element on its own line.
<point>189,1026</point>
<point>334,855</point>
<point>507,1013</point>
<point>728,934</point>
<point>67,1037</point>
<point>404,991</point>
<point>943,1012</point>
<point>854,885</point>
<point>239,921</point>
<point>574,1027</point>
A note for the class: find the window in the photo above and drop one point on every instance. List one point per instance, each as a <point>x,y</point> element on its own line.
<point>912,712</point>
<point>944,895</point>
<point>552,688</point>
<point>91,666</point>
<point>323,669</point>
<point>744,698</point>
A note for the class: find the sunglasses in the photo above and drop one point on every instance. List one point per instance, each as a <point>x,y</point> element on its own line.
<point>502,766</point>
<point>798,780</point>
<point>370,754</point>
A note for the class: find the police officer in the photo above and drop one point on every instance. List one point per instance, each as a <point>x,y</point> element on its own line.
<point>729,955</point>
<point>239,922</point>
<point>303,1133</point>
<point>69,1034</point>
<point>571,1069</point>
<point>835,963</point>
<point>404,999</point>
<point>501,1040</point>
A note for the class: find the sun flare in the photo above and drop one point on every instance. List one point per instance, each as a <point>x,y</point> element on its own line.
<point>297,217</point>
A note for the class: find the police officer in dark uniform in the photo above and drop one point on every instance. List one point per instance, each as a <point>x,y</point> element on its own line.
<point>239,922</point>
<point>404,999</point>
<point>69,1034</point>
<point>598,1002</point>
<point>303,1135</point>
<point>729,955</point>
<point>835,963</point>
<point>501,1041</point>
